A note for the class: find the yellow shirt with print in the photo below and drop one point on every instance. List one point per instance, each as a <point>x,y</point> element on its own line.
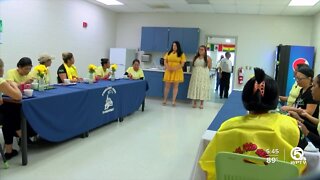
<point>100,72</point>
<point>13,75</point>
<point>135,74</point>
<point>269,131</point>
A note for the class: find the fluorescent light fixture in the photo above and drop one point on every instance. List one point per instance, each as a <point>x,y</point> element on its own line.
<point>228,40</point>
<point>110,2</point>
<point>303,2</point>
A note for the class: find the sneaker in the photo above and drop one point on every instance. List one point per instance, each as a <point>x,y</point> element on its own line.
<point>11,155</point>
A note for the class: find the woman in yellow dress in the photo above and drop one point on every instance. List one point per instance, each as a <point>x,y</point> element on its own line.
<point>173,61</point>
<point>260,133</point>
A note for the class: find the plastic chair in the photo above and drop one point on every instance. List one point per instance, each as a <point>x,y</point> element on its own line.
<point>243,167</point>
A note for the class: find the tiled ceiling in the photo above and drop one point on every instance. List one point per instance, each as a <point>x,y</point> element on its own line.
<point>259,7</point>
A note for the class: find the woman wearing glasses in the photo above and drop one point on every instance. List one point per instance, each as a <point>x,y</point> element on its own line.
<point>305,102</point>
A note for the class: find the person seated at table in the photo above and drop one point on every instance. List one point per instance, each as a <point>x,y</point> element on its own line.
<point>305,102</point>
<point>11,111</point>
<point>45,60</point>
<point>8,88</point>
<point>257,132</point>
<point>295,89</point>
<point>21,74</point>
<point>103,71</point>
<point>67,70</point>
<point>135,72</point>
<point>314,138</point>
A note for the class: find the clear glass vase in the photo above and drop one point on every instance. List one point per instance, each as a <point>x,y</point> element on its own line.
<point>91,78</point>
<point>41,84</point>
<point>113,76</point>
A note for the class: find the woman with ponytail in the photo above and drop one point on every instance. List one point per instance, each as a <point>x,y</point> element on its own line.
<point>257,133</point>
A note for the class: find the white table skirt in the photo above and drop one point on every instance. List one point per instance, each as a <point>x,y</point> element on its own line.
<point>313,158</point>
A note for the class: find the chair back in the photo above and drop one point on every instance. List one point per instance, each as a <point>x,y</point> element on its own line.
<point>243,167</point>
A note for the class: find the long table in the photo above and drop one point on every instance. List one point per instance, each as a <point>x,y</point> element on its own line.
<point>68,111</point>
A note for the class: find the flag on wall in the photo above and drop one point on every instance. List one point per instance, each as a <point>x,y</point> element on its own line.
<point>228,48</point>
<point>221,47</point>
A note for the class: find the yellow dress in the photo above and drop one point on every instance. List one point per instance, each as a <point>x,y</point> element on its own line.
<point>174,60</point>
<point>254,135</point>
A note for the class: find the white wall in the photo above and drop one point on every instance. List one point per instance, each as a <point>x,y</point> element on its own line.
<point>32,27</point>
<point>316,43</point>
<point>257,36</point>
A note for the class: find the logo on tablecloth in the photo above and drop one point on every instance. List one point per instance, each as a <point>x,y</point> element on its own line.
<point>108,106</point>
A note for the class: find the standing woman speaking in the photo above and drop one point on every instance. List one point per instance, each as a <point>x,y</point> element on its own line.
<point>173,61</point>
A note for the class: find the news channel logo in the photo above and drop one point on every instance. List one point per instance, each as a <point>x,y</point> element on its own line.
<point>297,155</point>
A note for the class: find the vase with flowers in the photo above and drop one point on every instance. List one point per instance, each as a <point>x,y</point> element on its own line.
<point>92,69</point>
<point>41,73</point>
<point>114,67</point>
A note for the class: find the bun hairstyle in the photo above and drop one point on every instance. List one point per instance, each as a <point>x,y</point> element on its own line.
<point>67,56</point>
<point>104,61</point>
<point>306,71</point>
<point>260,94</point>
<point>23,62</point>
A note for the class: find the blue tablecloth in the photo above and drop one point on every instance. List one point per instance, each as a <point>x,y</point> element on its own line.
<point>231,108</point>
<point>68,111</point>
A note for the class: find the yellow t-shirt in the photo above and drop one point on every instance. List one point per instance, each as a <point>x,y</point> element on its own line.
<point>100,72</point>
<point>13,75</point>
<point>294,93</point>
<point>34,75</point>
<point>135,74</point>
<point>272,132</point>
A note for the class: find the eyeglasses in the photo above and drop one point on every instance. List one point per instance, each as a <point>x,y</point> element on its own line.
<point>299,79</point>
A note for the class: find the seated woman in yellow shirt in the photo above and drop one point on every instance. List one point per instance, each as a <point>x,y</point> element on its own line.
<point>12,111</point>
<point>103,71</point>
<point>259,133</point>
<point>21,74</point>
<point>67,70</point>
<point>135,72</point>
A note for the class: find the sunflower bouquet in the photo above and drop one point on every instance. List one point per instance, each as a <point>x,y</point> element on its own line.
<point>114,67</point>
<point>41,70</point>
<point>92,68</point>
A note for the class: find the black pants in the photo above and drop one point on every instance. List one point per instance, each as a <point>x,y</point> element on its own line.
<point>224,84</point>
<point>11,122</point>
<point>218,80</point>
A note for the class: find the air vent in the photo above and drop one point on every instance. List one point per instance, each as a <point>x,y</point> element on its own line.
<point>159,6</point>
<point>197,1</point>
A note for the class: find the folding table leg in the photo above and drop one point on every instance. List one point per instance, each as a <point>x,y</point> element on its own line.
<point>24,145</point>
